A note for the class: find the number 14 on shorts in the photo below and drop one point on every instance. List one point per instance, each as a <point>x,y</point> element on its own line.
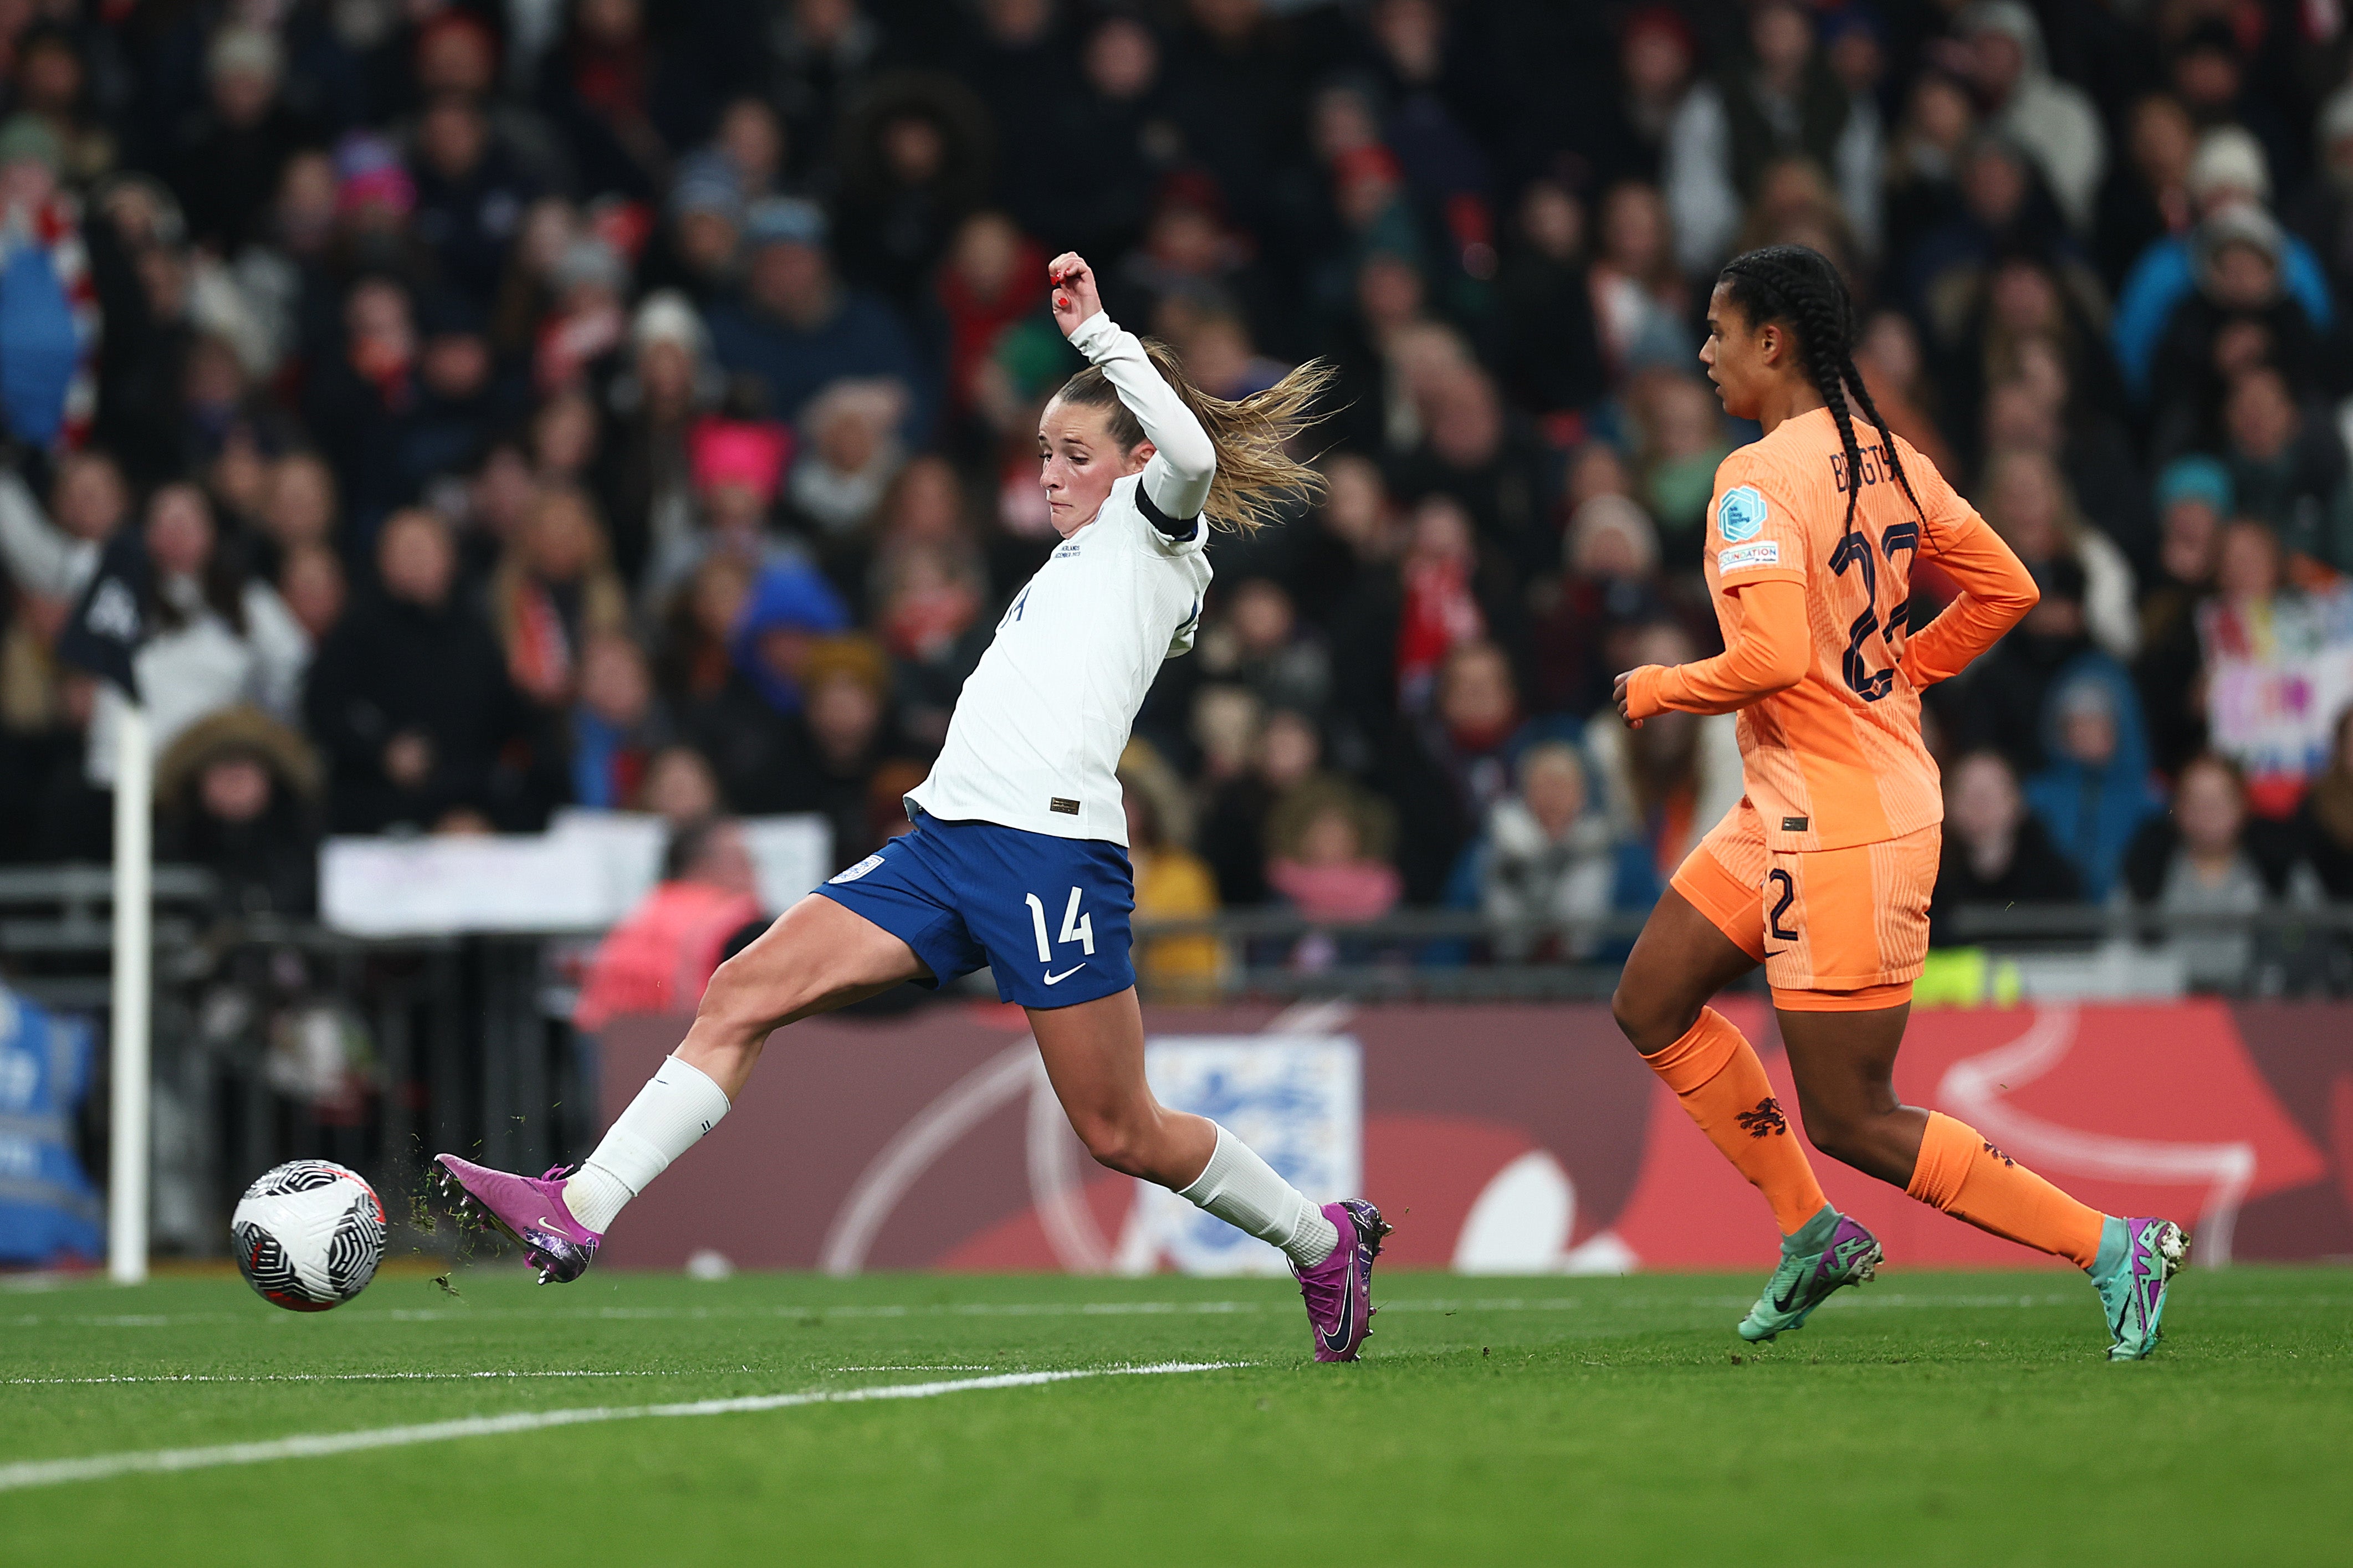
<point>1076,927</point>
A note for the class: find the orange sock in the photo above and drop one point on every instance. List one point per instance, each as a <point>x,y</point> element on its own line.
<point>1715,1072</point>
<point>1969,1179</point>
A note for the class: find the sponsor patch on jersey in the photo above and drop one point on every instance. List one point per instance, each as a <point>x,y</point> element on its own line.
<point>1764,552</point>
<point>858,870</point>
<point>1741,513</point>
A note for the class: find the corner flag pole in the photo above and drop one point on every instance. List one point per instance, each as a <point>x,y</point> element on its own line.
<point>132,999</point>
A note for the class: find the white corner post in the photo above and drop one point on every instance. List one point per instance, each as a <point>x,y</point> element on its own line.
<point>132,999</point>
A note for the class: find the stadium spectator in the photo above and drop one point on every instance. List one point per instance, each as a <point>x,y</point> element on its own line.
<point>915,158</point>
<point>471,194</point>
<point>1609,589</point>
<point>1547,853</point>
<point>661,955</point>
<point>846,737</point>
<point>2288,469</point>
<point>2200,861</point>
<point>2239,320</point>
<point>237,793</point>
<point>1780,99</point>
<point>2054,121</point>
<point>797,328</point>
<point>1258,640</point>
<point>311,581</point>
<point>554,590</point>
<point>229,154</point>
<point>737,467</point>
<point>2093,794</point>
<point>1327,857</point>
<point>2228,171</point>
<point>2146,197</point>
<point>2325,821</point>
<point>1996,850</point>
<point>219,638</point>
<point>680,788</point>
<point>2029,503</point>
<point>849,454</point>
<point>613,723</point>
<point>2270,651</point>
<point>1171,882</point>
<point>409,699</point>
<point>930,625</point>
<point>2193,497</point>
<point>1552,351</point>
<point>1285,753</point>
<point>1640,300</point>
<point>749,727</point>
<point>1456,764</point>
<point>1666,783</point>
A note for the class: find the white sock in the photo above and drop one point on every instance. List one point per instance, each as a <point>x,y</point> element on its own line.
<point>1246,1192</point>
<point>678,1104</point>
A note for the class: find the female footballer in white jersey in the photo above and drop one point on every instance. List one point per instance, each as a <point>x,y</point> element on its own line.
<point>1018,858</point>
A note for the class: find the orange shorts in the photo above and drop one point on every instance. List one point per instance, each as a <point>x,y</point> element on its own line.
<point>1837,930</point>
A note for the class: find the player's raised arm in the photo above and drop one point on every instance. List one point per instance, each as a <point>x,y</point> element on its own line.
<point>1201,455</point>
<point>1184,459</point>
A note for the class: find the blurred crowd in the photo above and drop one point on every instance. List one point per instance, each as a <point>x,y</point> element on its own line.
<point>538,403</point>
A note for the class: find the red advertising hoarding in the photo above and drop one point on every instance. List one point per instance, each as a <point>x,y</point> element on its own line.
<point>1505,1137</point>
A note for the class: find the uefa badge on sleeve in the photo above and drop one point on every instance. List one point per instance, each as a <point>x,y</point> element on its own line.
<point>1740,514</point>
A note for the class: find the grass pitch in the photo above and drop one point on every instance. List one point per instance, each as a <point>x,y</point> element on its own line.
<point>1929,1418</point>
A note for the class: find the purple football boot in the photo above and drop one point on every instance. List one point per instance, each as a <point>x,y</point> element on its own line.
<point>1340,1290</point>
<point>529,1209</point>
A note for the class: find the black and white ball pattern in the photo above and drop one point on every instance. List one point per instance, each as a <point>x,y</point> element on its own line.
<point>309,1235</point>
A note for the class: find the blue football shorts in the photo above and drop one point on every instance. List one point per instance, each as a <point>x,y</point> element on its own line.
<point>1046,917</point>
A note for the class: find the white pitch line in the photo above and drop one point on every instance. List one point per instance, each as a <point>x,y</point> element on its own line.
<point>350,1376</point>
<point>319,1444</point>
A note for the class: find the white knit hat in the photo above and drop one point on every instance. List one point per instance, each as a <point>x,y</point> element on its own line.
<point>2229,158</point>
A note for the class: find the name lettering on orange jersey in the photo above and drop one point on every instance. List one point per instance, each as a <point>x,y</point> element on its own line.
<point>1876,464</point>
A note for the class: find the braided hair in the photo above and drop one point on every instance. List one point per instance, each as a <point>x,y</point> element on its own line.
<point>1797,285</point>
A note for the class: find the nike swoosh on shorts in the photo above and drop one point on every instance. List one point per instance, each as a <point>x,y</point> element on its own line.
<point>1058,979</point>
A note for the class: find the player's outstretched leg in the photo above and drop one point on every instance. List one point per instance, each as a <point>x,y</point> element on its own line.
<point>1094,1052</point>
<point>1845,1064</point>
<point>2131,1261</point>
<point>816,957</point>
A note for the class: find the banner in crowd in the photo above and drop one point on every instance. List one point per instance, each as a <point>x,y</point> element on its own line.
<point>1503,1138</point>
<point>2278,674</point>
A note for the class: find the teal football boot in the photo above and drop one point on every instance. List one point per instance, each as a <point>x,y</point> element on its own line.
<point>2138,1258</point>
<point>1828,1251</point>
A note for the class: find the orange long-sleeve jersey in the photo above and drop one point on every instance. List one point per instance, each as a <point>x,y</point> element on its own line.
<point>1816,659</point>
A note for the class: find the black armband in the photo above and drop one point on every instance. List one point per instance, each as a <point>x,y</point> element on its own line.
<point>1171,529</point>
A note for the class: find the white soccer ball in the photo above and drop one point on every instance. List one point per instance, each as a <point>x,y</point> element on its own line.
<point>309,1235</point>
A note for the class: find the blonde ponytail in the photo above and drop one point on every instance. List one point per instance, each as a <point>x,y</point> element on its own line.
<point>1258,481</point>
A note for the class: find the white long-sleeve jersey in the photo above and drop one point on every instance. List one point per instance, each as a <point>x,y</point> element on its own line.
<point>1037,731</point>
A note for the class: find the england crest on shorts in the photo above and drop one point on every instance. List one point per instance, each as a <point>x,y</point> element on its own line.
<point>1740,514</point>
